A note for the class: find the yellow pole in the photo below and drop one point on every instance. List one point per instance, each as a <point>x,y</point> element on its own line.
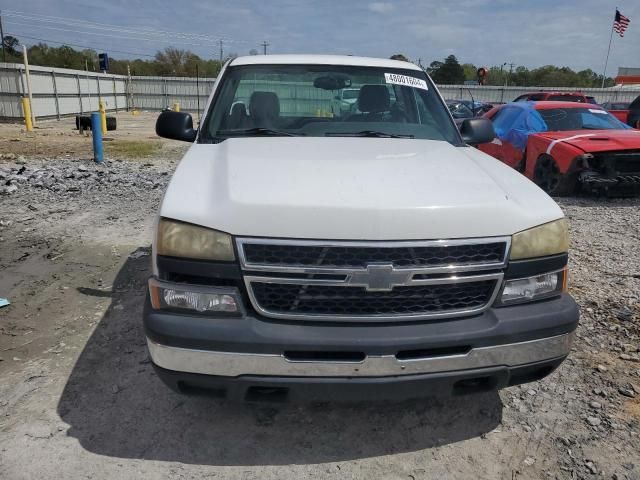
<point>28,75</point>
<point>176,107</point>
<point>26,110</point>
<point>103,117</point>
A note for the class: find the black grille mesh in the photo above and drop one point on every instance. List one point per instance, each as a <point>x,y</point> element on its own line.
<point>348,256</point>
<point>356,301</point>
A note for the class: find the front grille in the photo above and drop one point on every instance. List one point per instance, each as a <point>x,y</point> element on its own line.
<point>371,281</point>
<point>360,256</point>
<point>356,301</point>
<point>629,164</point>
<point>617,163</point>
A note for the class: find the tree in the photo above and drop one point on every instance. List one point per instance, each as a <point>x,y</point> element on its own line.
<point>399,56</point>
<point>171,61</point>
<point>11,44</point>
<point>449,72</point>
<point>470,71</point>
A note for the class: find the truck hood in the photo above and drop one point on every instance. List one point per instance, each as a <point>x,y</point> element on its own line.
<point>352,188</point>
<point>593,141</point>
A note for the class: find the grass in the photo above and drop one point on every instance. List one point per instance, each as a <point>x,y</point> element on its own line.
<point>131,148</point>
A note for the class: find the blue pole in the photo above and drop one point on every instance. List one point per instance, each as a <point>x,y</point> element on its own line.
<point>96,132</point>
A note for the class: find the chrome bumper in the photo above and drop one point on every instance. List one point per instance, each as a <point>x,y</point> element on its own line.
<point>229,364</point>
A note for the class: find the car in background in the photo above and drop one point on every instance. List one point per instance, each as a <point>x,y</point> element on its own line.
<point>620,110</point>
<point>633,119</point>
<point>555,97</point>
<point>459,111</point>
<point>478,108</point>
<point>627,112</point>
<point>562,146</point>
<point>347,99</point>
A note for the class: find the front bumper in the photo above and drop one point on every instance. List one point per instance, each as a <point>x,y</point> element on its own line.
<point>235,364</point>
<point>500,347</point>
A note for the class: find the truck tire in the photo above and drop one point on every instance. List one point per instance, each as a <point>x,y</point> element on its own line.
<point>83,122</point>
<point>547,176</point>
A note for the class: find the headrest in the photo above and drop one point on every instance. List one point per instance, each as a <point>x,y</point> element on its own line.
<point>238,110</point>
<point>264,105</point>
<point>374,99</point>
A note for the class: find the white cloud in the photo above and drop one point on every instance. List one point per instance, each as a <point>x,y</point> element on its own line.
<point>380,7</point>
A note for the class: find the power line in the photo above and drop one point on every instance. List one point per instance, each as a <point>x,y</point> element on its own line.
<point>115,35</point>
<point>264,46</point>
<point>144,31</point>
<point>83,46</point>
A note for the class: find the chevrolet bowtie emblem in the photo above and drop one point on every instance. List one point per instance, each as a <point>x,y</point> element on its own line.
<point>379,278</point>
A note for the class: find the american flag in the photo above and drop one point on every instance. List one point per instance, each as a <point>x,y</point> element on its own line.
<point>620,23</point>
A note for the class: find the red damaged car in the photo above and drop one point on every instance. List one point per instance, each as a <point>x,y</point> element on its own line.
<point>567,146</point>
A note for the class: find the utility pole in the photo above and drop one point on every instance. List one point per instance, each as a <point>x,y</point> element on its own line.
<point>221,52</point>
<point>264,47</point>
<point>506,80</point>
<point>4,55</point>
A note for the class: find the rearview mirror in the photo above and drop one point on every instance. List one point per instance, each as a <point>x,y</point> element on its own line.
<point>332,82</point>
<point>176,126</point>
<point>475,131</point>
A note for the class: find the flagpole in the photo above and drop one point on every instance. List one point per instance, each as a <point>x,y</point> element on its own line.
<point>606,62</point>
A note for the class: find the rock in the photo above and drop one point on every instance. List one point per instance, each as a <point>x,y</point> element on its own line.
<point>592,468</point>
<point>629,358</point>
<point>627,392</point>
<point>595,404</point>
<point>531,392</point>
<point>594,421</point>
<point>9,189</point>
<point>82,168</point>
<point>601,368</point>
<point>529,461</point>
<point>623,314</point>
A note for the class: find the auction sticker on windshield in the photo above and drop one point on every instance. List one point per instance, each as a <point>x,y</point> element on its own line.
<point>405,80</point>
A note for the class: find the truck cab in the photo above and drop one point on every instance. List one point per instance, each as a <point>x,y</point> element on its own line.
<point>304,253</point>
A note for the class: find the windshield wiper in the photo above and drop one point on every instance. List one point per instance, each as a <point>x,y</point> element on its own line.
<point>367,133</point>
<point>255,131</point>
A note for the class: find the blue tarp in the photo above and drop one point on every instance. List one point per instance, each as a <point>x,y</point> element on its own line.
<point>516,121</point>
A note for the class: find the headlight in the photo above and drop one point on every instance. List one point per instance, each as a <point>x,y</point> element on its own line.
<point>177,239</point>
<point>548,239</point>
<point>534,288</point>
<point>224,300</point>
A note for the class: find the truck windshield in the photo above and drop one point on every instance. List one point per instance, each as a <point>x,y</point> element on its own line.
<point>308,100</point>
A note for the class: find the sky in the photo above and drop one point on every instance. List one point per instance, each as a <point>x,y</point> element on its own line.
<point>573,33</point>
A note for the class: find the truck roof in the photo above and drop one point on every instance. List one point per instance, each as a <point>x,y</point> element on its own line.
<point>323,60</point>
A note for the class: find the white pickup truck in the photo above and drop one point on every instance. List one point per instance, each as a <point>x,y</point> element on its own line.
<point>306,253</point>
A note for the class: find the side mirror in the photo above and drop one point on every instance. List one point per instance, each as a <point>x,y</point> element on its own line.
<point>176,126</point>
<point>477,130</point>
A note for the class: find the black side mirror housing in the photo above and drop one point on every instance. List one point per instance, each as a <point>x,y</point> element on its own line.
<point>475,131</point>
<point>176,126</point>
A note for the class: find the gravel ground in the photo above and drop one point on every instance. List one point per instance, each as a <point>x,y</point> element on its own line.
<point>78,398</point>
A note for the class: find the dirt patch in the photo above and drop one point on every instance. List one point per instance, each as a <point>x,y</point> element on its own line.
<point>134,138</point>
<point>132,149</point>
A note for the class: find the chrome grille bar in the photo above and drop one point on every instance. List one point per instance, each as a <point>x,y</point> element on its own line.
<point>372,283</point>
